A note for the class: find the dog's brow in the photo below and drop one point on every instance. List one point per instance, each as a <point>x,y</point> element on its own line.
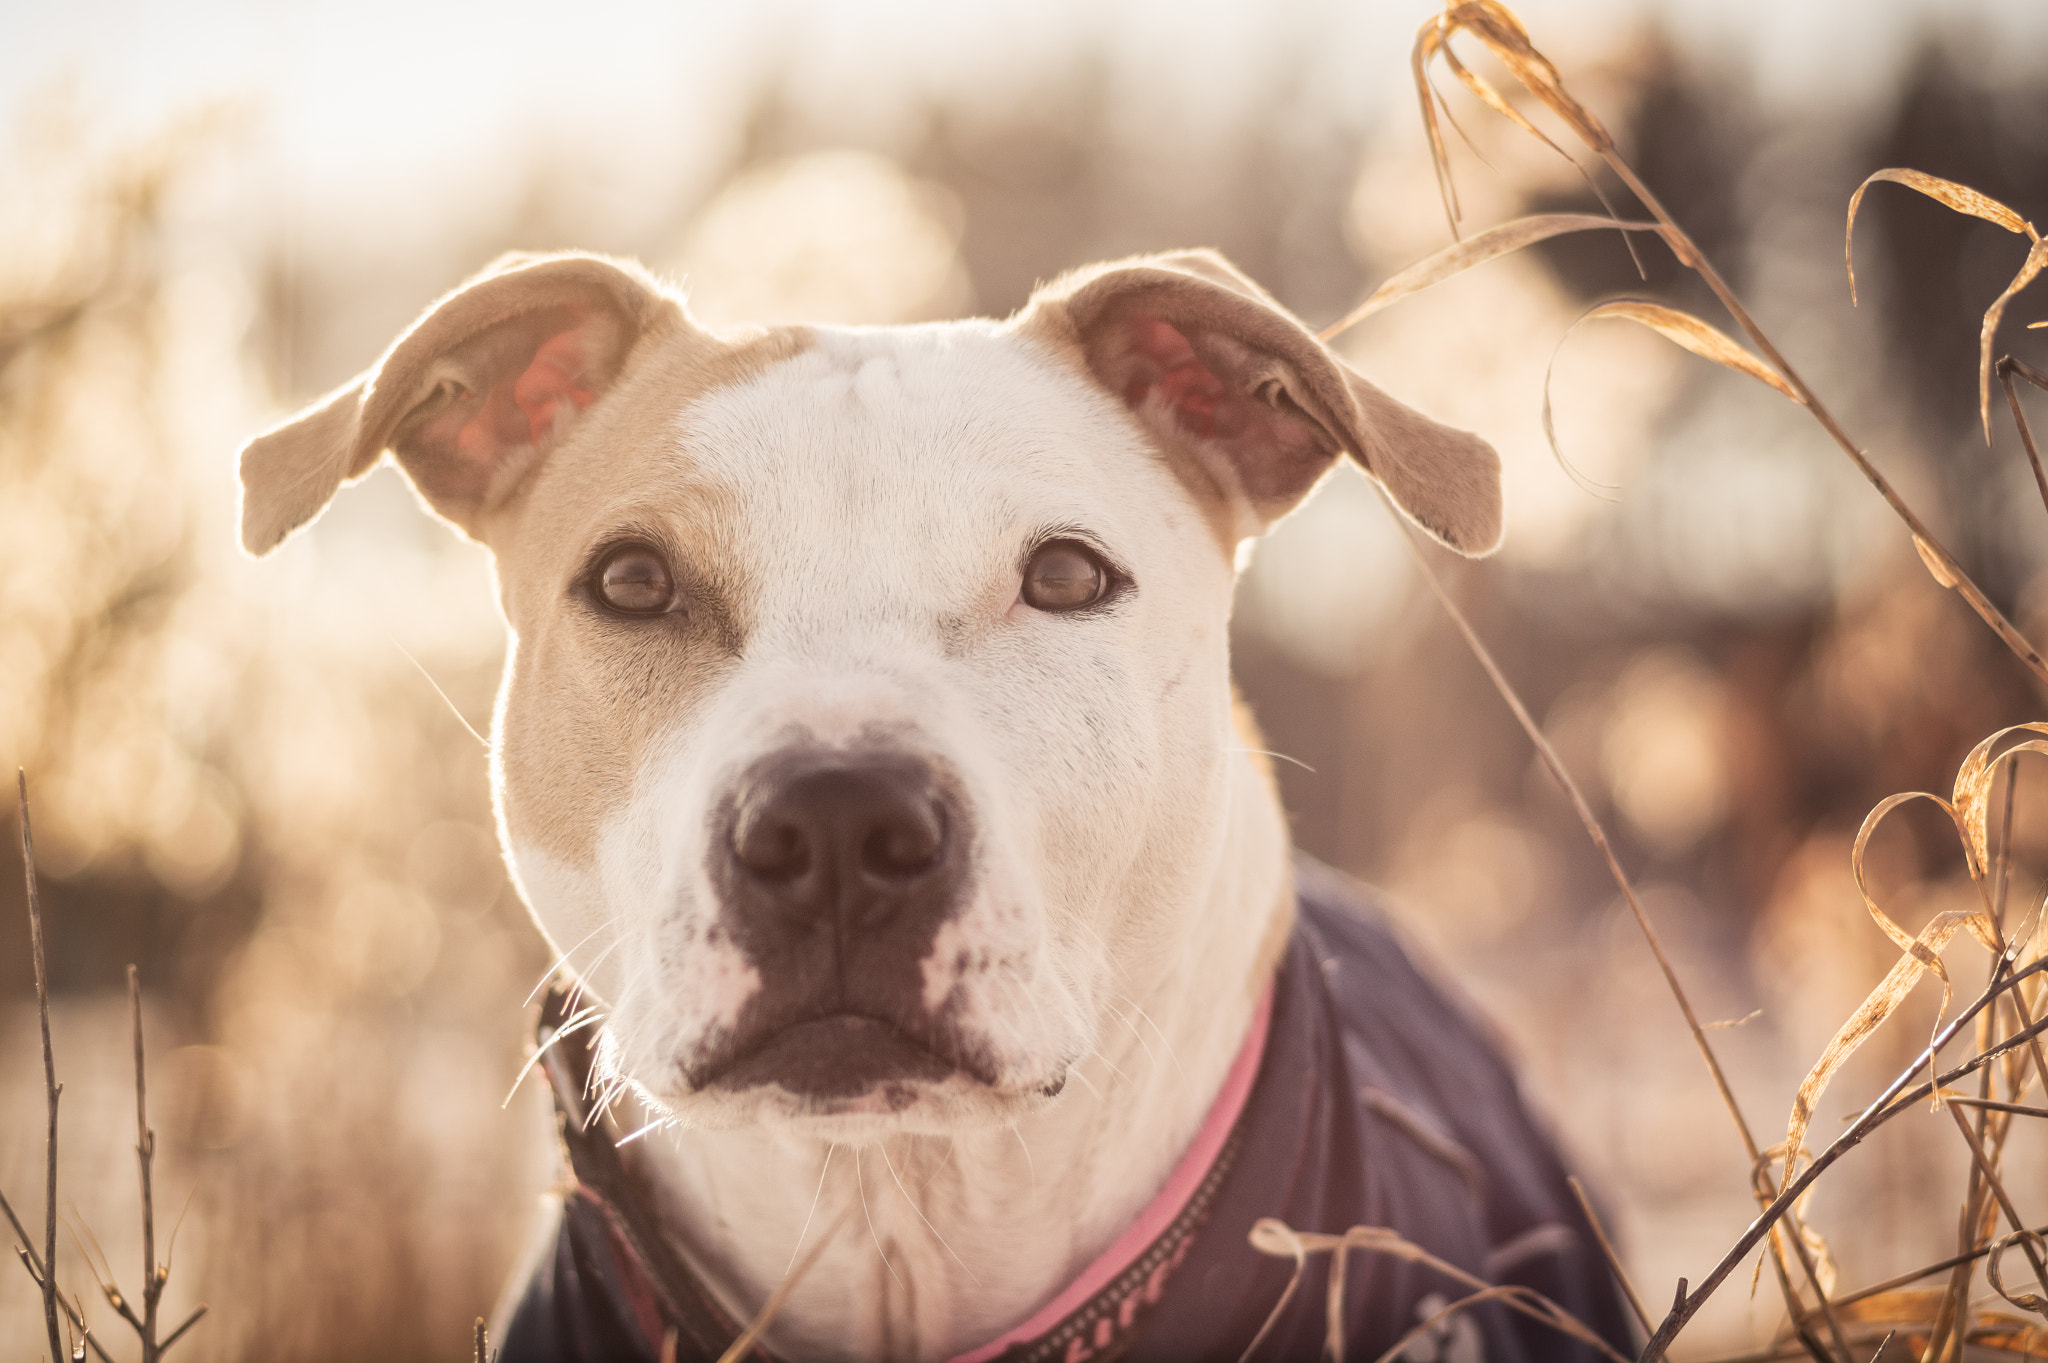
<point>1070,530</point>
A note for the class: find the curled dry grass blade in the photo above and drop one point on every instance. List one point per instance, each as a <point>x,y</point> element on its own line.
<point>1972,796</point>
<point>2034,1243</point>
<point>1460,256</point>
<point>1683,329</point>
<point>2037,259</point>
<point>1276,1238</point>
<point>1688,331</point>
<point>1961,199</point>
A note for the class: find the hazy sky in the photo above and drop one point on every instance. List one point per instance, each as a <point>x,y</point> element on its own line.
<point>379,93</point>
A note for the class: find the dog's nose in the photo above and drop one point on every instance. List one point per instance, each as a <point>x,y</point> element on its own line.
<point>859,836</point>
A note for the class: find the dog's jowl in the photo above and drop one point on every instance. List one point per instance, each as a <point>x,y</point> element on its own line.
<point>867,753</point>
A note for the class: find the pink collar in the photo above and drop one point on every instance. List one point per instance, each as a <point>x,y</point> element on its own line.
<point>1093,1304</point>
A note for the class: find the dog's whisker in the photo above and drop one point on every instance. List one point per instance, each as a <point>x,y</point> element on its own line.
<point>563,960</point>
<point>891,1167</point>
<point>1125,1019</point>
<point>460,718</point>
<point>943,1165</point>
<point>612,1093</point>
<point>1268,752</point>
<point>583,975</point>
<point>655,1125</point>
<point>1076,1071</point>
<point>1164,1040</point>
<point>1096,1052</point>
<point>823,1169</point>
<point>870,1218</point>
<point>575,1023</point>
<point>1030,1165</point>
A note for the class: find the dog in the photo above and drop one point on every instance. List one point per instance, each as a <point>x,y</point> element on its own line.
<point>867,752</point>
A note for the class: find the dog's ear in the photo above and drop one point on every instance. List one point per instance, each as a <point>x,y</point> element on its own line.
<point>468,399</point>
<point>1251,405</point>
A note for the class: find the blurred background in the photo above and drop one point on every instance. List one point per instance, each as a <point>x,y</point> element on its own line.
<point>242,781</point>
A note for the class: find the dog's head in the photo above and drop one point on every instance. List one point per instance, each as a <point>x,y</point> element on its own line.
<point>868,696</point>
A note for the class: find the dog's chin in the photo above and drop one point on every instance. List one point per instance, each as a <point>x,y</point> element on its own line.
<point>847,1077</point>
<point>837,1059</point>
<point>919,1107</point>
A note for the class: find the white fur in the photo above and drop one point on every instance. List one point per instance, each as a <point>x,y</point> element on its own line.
<point>877,493</point>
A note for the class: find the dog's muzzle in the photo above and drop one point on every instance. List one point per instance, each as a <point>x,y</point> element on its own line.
<point>835,870</point>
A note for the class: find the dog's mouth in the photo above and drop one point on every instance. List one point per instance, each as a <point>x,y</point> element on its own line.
<point>837,1057</point>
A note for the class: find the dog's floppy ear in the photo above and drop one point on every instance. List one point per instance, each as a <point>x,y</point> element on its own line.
<point>1251,405</point>
<point>468,398</point>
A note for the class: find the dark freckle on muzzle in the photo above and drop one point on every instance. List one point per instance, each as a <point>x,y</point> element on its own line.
<point>835,869</point>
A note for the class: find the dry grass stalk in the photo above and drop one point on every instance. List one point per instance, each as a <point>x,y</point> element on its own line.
<point>1503,35</point>
<point>1614,1265</point>
<point>1757,1156</point>
<point>1461,256</point>
<point>758,1326</point>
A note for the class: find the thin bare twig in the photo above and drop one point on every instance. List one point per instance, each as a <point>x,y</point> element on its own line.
<point>174,1336</point>
<point>155,1275</point>
<point>2019,1109</point>
<point>1926,1271</point>
<point>1895,1099</point>
<point>1997,1187</point>
<point>2008,367</point>
<point>51,1088</point>
<point>34,1267</point>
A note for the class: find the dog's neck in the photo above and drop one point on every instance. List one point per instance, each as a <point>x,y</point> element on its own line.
<point>929,1246</point>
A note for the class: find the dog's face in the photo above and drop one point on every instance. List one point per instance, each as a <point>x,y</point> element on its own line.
<point>868,706</point>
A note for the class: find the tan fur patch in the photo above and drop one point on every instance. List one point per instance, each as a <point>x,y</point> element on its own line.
<point>573,722</point>
<point>1047,322</point>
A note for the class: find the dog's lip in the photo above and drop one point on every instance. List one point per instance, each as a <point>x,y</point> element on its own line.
<point>834,1056</point>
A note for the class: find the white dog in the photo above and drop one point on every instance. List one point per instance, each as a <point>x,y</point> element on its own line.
<point>866,748</point>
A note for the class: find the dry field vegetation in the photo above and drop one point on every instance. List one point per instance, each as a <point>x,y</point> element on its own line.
<point>1826,805</point>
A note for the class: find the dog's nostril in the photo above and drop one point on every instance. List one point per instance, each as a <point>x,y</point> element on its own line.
<point>905,842</point>
<point>854,835</point>
<point>773,849</point>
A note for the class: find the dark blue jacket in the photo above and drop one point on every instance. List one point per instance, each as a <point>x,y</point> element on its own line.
<point>1379,1102</point>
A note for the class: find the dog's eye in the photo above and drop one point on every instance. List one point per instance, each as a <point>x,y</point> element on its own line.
<point>1064,576</point>
<point>635,581</point>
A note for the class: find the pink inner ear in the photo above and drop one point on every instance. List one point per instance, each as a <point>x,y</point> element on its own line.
<point>1163,362</point>
<point>525,410</point>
